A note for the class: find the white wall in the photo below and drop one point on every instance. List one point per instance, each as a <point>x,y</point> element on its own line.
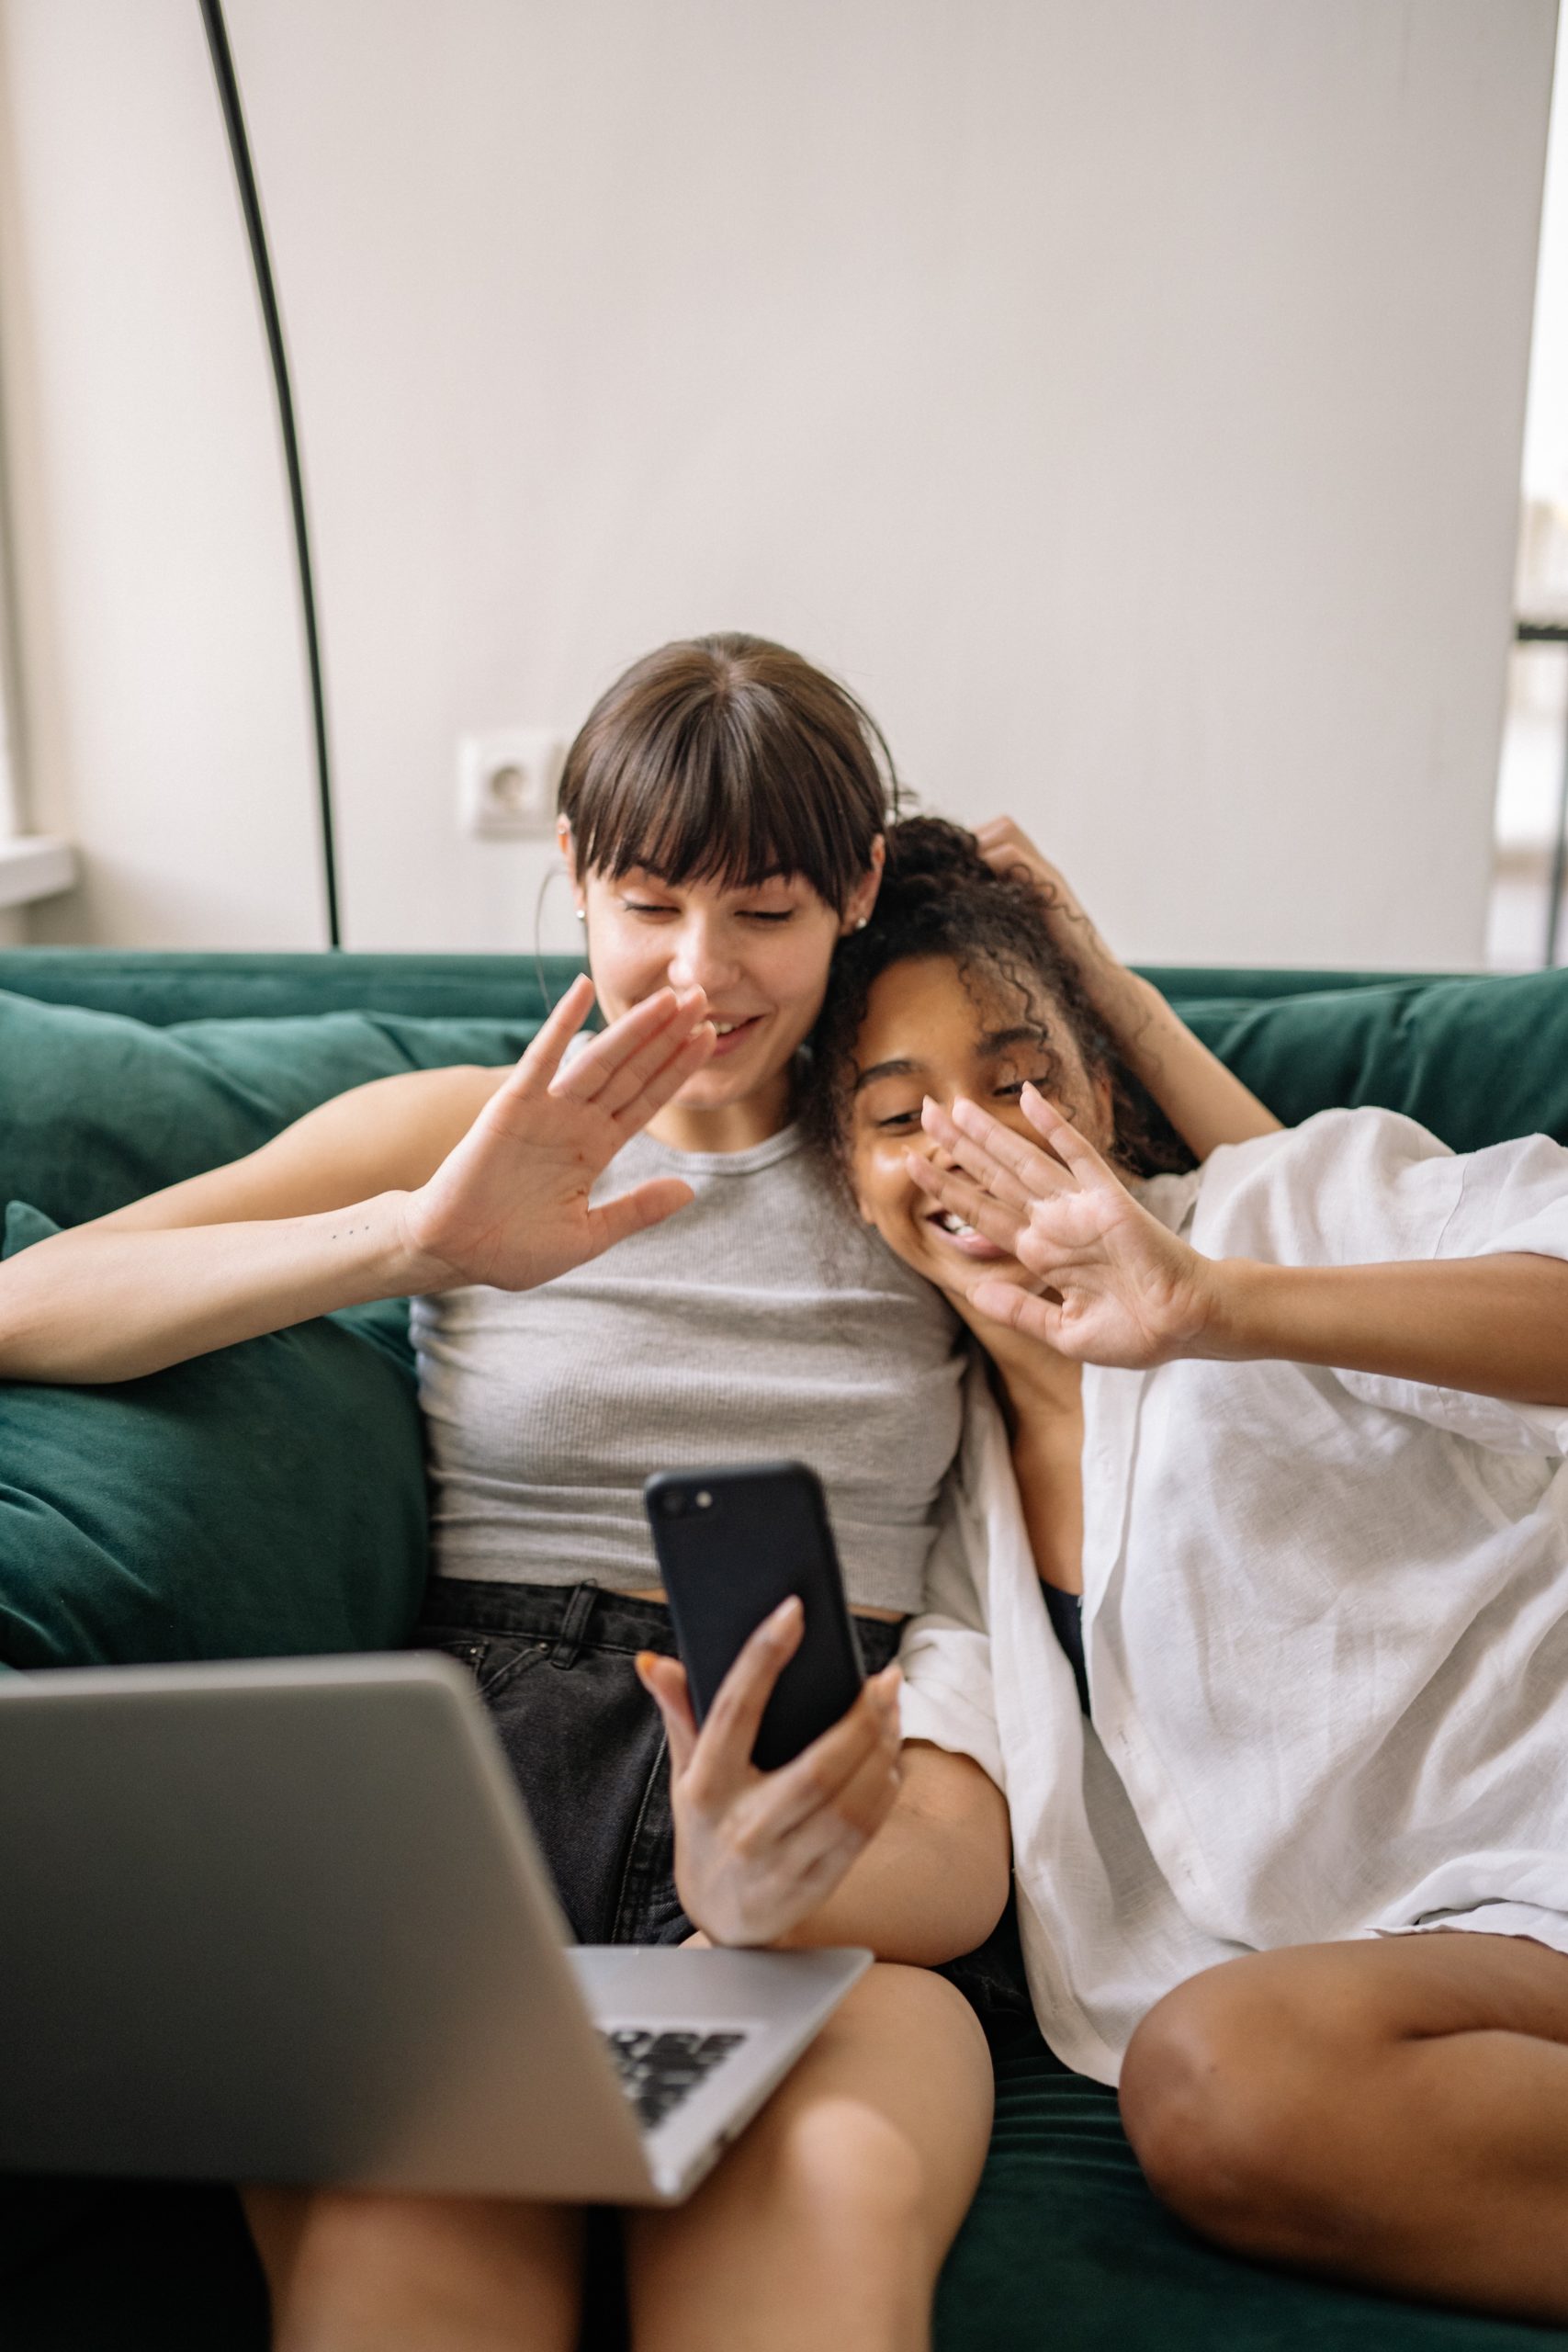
<point>1127,398</point>
<point>1545,467</point>
<point>166,728</point>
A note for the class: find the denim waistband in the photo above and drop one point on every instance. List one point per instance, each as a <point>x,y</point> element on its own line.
<point>587,1615</point>
<point>582,1613</point>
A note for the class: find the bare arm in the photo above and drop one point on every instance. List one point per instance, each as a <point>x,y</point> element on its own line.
<point>859,1840</point>
<point>109,1302</point>
<point>1119,1288</point>
<point>1496,1326</point>
<point>933,1881</point>
<point>416,1184</point>
<point>1204,1102</point>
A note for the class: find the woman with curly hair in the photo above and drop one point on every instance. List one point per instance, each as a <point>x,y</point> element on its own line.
<point>1263,1506</point>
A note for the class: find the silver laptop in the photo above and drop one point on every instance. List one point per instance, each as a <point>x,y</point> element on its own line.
<point>286,1922</point>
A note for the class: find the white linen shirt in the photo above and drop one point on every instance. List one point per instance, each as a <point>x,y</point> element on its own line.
<point>1326,1616</point>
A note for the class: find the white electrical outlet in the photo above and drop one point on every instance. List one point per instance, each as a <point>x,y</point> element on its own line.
<point>506,782</point>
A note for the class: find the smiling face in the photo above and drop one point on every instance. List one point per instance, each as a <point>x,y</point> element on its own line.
<point>760,955</point>
<point>722,812</point>
<point>930,1028</point>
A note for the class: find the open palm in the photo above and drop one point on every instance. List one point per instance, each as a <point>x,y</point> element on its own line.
<point>510,1204</point>
<point>1121,1288</point>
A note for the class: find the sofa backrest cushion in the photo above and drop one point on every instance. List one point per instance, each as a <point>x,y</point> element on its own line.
<point>265,1501</point>
<point>1475,1060</point>
<point>269,1499</point>
<point>96,1109</point>
<point>99,1109</point>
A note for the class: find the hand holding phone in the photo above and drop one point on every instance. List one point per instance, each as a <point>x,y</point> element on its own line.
<point>757,1853</point>
<point>732,1544</point>
<point>785,1762</point>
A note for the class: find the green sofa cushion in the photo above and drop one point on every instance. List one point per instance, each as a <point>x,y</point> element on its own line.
<point>100,1110</point>
<point>168,985</point>
<point>1066,2250</point>
<point>1476,1060</point>
<point>267,1499</point>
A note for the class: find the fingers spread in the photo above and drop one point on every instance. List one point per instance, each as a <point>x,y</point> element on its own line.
<point>630,1035</point>
<point>665,1082</point>
<point>965,1199</point>
<point>614,1069</point>
<point>540,1063</point>
<point>1028,1167</point>
<point>971,1151</point>
<point>974,1151</point>
<point>1063,1138</point>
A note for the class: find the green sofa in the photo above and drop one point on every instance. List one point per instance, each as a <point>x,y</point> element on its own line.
<point>271,1500</point>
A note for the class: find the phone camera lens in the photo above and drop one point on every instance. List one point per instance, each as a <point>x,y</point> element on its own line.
<point>675,1504</point>
<point>705,1500</point>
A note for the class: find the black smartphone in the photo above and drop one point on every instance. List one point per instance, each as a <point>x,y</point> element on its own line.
<point>732,1544</point>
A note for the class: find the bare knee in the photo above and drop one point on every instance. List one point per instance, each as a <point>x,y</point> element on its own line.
<point>1227,2104</point>
<point>884,2128</point>
<point>935,2086</point>
<point>840,2164</point>
<point>347,2269</point>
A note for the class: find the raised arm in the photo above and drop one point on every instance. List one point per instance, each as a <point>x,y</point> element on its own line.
<point>1204,1102</point>
<point>416,1184</point>
<point>1119,1288</point>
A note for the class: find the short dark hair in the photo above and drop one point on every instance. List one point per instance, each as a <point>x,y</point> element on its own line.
<point>939,900</point>
<point>727,759</point>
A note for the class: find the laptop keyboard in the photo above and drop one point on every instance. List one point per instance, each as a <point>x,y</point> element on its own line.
<point>659,2069</point>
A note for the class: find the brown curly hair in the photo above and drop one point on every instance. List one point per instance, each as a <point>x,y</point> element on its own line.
<point>939,900</point>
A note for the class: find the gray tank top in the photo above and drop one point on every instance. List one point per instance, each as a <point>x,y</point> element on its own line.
<point>763,1321</point>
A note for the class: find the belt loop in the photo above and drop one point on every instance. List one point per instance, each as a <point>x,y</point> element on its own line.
<point>574,1625</point>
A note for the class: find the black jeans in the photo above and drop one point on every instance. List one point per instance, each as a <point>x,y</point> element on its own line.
<point>555,1667</point>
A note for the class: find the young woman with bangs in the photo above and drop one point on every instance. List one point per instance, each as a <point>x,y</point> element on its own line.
<point>723,814</point>
<point>1263,1498</point>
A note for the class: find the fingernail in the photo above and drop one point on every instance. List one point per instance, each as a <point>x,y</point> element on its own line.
<point>644,1664</point>
<point>784,1614</point>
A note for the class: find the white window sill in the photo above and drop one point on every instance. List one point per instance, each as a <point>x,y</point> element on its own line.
<point>34,865</point>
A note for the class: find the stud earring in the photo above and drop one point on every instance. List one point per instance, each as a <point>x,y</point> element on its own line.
<point>582,913</point>
<point>861,923</point>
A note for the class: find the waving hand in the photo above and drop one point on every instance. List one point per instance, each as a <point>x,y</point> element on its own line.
<point>510,1206</point>
<point>1118,1288</point>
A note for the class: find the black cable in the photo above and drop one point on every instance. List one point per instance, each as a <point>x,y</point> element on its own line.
<point>250,204</point>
